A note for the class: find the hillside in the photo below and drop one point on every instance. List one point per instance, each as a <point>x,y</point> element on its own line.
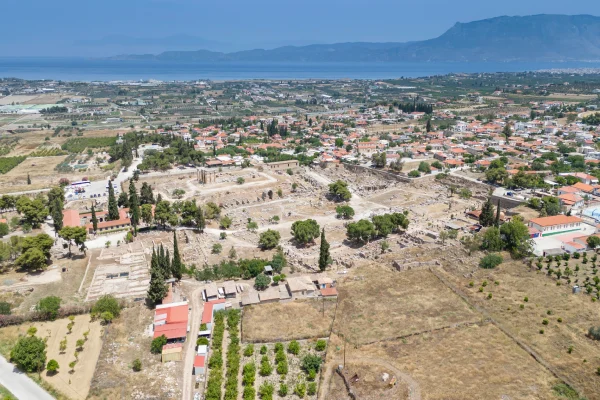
<point>550,38</point>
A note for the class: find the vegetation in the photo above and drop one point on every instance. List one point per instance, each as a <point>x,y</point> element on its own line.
<point>29,354</point>
<point>157,344</point>
<point>8,163</point>
<point>305,231</point>
<point>269,239</point>
<point>78,145</point>
<point>490,261</point>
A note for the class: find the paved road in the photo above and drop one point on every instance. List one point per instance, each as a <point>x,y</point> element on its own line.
<point>19,384</point>
<point>187,391</point>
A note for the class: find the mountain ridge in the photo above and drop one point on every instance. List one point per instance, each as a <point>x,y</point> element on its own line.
<point>542,37</point>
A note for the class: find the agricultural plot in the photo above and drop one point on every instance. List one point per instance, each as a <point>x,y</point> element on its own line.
<point>72,382</point>
<point>300,319</point>
<point>287,369</point>
<point>377,304</point>
<point>78,145</point>
<point>8,163</point>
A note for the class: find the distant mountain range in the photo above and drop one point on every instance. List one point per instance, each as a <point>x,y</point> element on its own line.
<point>540,38</point>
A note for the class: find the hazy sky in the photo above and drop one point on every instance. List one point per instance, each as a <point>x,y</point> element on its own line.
<point>69,27</point>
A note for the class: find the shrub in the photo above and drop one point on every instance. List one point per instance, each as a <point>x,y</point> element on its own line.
<point>570,349</point>
<point>278,347</point>
<point>490,261</point>
<point>545,322</point>
<point>282,367</point>
<point>300,390</point>
<point>107,303</point>
<point>137,365</point>
<point>52,366</point>
<point>29,354</point>
<point>526,299</point>
<point>249,350</point>
<point>263,349</point>
<point>249,374</point>
<point>49,306</point>
<point>594,333</point>
<point>265,368</point>
<point>202,341</point>
<point>249,393</point>
<point>107,317</point>
<point>312,388</point>
<point>294,347</point>
<point>321,345</point>
<point>283,390</point>
<point>311,362</point>
<point>157,344</point>
<point>4,308</point>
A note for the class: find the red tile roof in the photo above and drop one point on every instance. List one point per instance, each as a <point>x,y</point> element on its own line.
<point>207,312</point>
<point>199,361</point>
<point>555,220</point>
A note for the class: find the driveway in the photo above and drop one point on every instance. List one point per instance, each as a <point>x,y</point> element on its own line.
<point>19,384</point>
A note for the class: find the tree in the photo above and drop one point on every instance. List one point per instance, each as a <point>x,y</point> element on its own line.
<point>107,317</point>
<point>225,222</point>
<point>162,212</point>
<point>107,303</point>
<point>252,226</point>
<point>506,131</point>
<point>383,224</point>
<point>57,214</point>
<point>29,354</point>
<point>486,218</point>
<point>157,344</point>
<point>157,289</point>
<point>217,248</point>
<point>134,206</point>
<point>414,173</point>
<point>94,220</point>
<point>52,366</point>
<point>497,221</point>
<point>491,240</point>
<point>123,200</point>
<point>324,256</point>
<point>424,167</point>
<point>339,191</point>
<point>362,230</point>
<point>32,259</point>
<point>311,362</point>
<point>339,142</point>
<point>34,211</point>
<point>428,125</point>
<point>516,237</point>
<point>176,266</point>
<point>269,239</point>
<point>379,160</point>
<point>42,242</point>
<point>305,231</point>
<point>262,281</point>
<point>28,179</point>
<point>146,195</point>
<point>344,211</point>
<point>77,234</point>
<point>4,229</point>
<point>593,241</point>
<point>212,210</point>
<point>199,219</point>
<point>146,213</point>
<point>113,209</point>
<point>49,306</point>
<point>490,261</point>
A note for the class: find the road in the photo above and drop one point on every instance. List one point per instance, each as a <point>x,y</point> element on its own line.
<point>187,390</point>
<point>19,384</point>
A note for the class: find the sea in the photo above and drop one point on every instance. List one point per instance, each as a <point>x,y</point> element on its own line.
<point>89,70</point>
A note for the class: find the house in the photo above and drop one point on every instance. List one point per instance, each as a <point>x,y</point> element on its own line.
<point>211,292</point>
<point>171,320</point>
<point>249,299</point>
<point>229,289</point>
<point>323,282</point>
<point>202,350</point>
<point>199,365</point>
<point>172,352</point>
<point>556,224</point>
<point>270,295</point>
<point>570,200</point>
<point>300,286</point>
<point>73,218</point>
<point>281,165</point>
<point>329,292</point>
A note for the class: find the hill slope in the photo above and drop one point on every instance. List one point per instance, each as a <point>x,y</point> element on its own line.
<point>529,38</point>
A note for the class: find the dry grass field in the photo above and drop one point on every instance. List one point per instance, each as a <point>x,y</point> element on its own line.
<point>124,341</point>
<point>377,304</point>
<point>476,362</point>
<point>75,385</point>
<point>546,301</point>
<point>299,319</point>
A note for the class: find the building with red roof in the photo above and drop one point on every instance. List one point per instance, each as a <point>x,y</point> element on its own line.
<point>171,320</point>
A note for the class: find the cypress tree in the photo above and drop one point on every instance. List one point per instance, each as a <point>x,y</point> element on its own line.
<point>57,215</point>
<point>199,219</point>
<point>113,209</point>
<point>28,180</point>
<point>486,218</point>
<point>497,223</point>
<point>168,270</point>
<point>324,257</point>
<point>134,206</point>
<point>176,265</point>
<point>94,219</point>
<point>428,126</point>
<point>157,289</point>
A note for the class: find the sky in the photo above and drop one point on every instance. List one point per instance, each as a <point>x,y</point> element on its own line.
<point>110,27</point>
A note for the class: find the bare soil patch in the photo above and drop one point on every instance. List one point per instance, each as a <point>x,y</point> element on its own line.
<point>287,321</point>
<point>377,304</point>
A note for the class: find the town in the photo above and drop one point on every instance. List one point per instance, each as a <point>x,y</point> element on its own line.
<point>318,239</point>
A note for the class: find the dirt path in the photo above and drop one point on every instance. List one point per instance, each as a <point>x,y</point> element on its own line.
<point>414,390</point>
<point>187,390</point>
